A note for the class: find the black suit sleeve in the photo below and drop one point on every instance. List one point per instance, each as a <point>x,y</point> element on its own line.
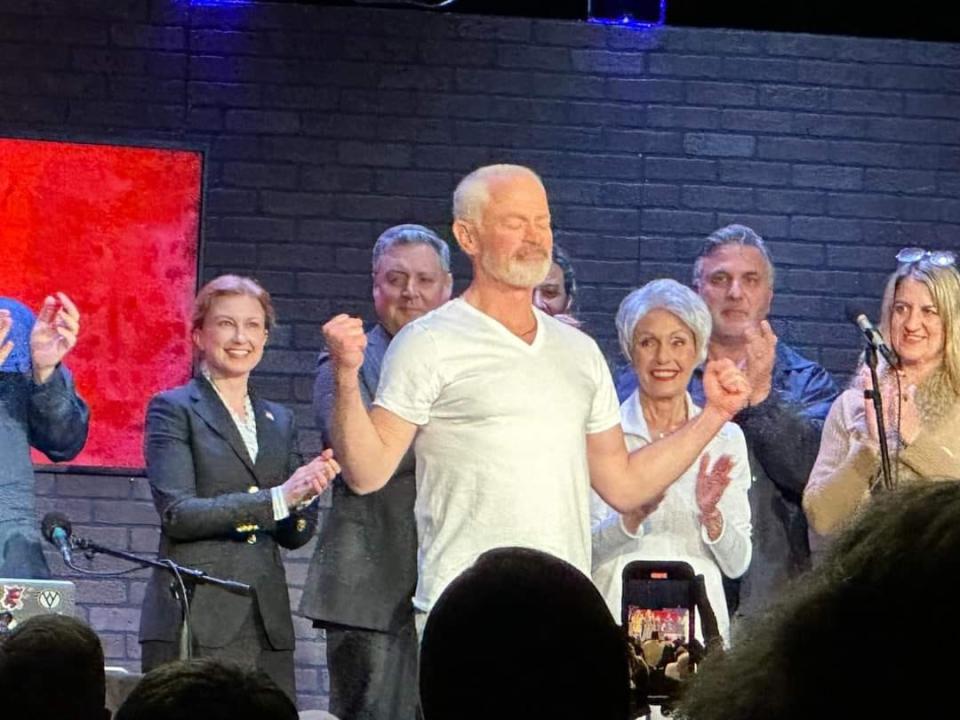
<point>184,515</point>
<point>297,529</point>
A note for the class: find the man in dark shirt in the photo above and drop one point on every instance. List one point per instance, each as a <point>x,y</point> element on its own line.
<point>364,571</point>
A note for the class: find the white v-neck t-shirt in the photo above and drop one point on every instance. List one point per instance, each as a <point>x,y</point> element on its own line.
<point>501,444</point>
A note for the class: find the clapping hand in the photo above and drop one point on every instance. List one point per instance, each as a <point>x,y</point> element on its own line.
<point>901,417</point>
<point>712,482</point>
<point>761,355</point>
<point>54,334</point>
<point>309,480</point>
<point>6,346</point>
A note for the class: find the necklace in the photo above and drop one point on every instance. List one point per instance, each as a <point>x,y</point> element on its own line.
<point>245,413</point>
<point>670,429</point>
<point>246,421</point>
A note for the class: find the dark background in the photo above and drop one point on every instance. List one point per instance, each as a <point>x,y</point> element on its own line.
<point>324,125</point>
<point>923,20</point>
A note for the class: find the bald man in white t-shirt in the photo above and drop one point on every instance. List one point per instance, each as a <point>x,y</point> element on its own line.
<point>512,414</point>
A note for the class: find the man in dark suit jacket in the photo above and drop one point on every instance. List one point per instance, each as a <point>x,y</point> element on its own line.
<point>40,408</point>
<point>364,571</point>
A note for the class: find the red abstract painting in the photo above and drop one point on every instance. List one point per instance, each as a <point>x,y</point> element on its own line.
<point>115,228</point>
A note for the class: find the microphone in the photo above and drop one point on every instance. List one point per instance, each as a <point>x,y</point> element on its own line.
<point>858,317</point>
<point>56,529</point>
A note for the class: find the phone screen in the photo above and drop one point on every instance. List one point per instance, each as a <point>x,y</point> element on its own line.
<point>661,606</point>
<point>658,619</point>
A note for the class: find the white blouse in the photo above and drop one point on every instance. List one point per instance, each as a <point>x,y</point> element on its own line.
<point>673,531</point>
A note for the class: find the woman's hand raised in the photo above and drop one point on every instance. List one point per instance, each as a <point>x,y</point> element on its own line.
<point>311,479</point>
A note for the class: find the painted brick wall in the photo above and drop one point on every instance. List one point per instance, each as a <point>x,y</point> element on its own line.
<point>325,125</point>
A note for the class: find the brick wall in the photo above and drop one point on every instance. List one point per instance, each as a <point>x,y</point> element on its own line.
<point>324,125</point>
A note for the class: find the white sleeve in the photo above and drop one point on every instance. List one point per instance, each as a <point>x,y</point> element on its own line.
<point>410,379</point>
<point>733,549</point>
<point>610,539</point>
<point>280,509</point>
<point>605,410</point>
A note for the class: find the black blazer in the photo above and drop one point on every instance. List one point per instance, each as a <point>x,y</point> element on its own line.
<point>363,573</point>
<point>210,496</point>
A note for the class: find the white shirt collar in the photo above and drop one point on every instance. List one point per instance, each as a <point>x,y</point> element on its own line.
<point>633,421</point>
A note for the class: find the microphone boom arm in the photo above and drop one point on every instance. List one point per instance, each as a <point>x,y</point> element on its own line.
<point>197,575</point>
<point>179,572</point>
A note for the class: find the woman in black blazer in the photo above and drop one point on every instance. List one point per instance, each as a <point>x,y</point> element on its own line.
<point>230,487</point>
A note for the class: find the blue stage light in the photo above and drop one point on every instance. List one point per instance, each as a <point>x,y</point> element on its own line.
<point>208,3</point>
<point>636,13</point>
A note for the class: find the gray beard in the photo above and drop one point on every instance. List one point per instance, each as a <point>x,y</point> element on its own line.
<point>517,273</point>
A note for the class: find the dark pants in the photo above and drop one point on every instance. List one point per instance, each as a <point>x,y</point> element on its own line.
<point>250,648</point>
<point>373,675</point>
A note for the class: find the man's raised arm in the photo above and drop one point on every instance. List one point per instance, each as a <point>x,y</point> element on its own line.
<point>368,446</point>
<point>625,482</point>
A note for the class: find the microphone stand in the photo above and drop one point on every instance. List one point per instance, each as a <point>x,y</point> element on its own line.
<point>179,572</point>
<point>875,395</point>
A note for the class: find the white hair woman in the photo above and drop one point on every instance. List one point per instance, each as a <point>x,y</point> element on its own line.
<point>920,316</point>
<point>704,517</point>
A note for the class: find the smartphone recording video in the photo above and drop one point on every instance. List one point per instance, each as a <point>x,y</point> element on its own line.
<point>659,619</point>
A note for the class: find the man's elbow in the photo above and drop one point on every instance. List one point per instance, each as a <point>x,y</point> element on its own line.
<point>622,506</point>
<point>622,500</point>
<point>67,448</point>
<point>365,485</point>
<point>64,454</point>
